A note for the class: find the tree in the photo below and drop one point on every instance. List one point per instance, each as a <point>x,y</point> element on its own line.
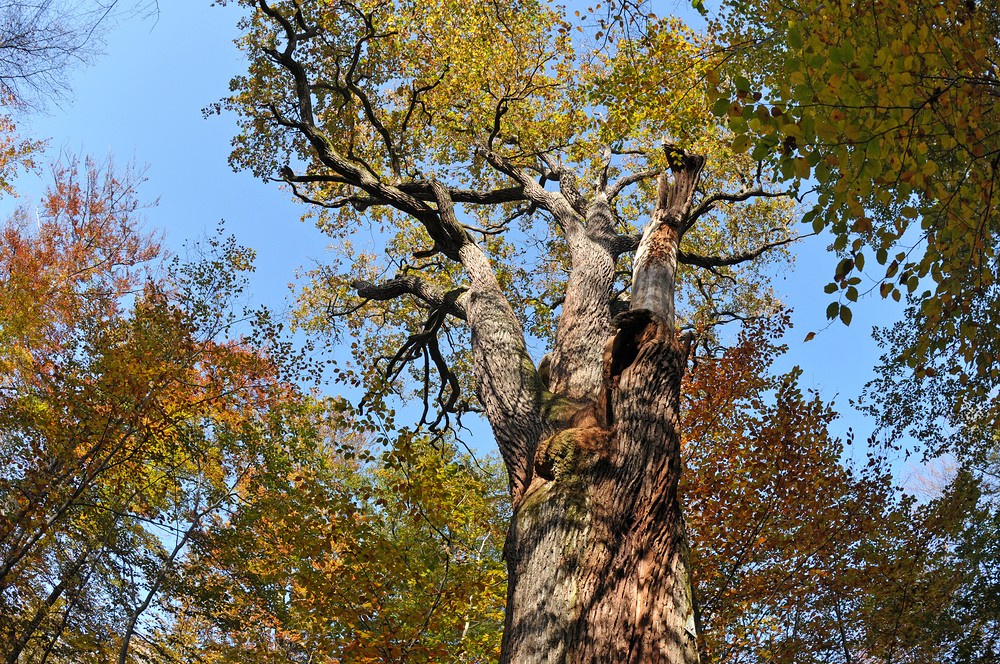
<point>778,523</point>
<point>344,551</point>
<point>41,41</point>
<point>891,109</point>
<point>16,153</point>
<point>414,116</point>
<point>798,558</point>
<point>130,411</point>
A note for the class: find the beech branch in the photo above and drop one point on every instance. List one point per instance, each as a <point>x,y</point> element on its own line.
<point>709,203</point>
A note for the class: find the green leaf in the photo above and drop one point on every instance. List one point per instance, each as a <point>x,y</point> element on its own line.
<point>794,38</point>
<point>818,223</point>
<point>844,268</point>
<point>802,168</point>
<point>760,151</point>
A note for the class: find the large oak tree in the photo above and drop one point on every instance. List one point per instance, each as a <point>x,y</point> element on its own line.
<point>511,183</point>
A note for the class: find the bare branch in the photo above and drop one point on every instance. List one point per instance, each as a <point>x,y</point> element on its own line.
<point>420,190</point>
<point>742,257</point>
<point>42,40</point>
<point>709,203</point>
<point>628,180</point>
<point>447,301</point>
<point>357,202</point>
<point>424,344</point>
<point>628,243</point>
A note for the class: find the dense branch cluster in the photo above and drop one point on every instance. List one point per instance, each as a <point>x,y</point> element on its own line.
<point>41,40</point>
<point>356,137</point>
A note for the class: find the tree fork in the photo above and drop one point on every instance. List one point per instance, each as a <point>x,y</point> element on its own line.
<point>597,551</point>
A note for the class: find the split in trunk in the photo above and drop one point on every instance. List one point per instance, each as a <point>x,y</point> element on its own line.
<point>597,551</point>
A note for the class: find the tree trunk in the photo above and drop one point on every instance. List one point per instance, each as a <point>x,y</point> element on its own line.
<point>69,577</point>
<point>597,551</point>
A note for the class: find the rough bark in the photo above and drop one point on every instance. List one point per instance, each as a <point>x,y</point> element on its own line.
<point>655,268</point>
<point>585,321</point>
<point>597,551</point>
<point>506,380</point>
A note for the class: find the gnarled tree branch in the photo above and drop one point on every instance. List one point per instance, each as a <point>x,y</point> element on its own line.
<point>449,302</point>
<point>555,202</point>
<point>628,180</point>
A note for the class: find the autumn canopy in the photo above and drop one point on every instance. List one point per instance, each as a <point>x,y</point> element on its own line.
<point>556,230</point>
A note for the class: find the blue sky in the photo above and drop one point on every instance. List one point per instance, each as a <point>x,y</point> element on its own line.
<point>142,101</point>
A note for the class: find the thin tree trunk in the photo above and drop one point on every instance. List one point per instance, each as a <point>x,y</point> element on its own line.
<point>841,630</point>
<point>86,482</point>
<point>67,612</point>
<point>162,574</point>
<point>42,611</point>
<point>153,589</point>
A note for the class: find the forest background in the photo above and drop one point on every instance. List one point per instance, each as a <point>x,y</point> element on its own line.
<point>212,569</point>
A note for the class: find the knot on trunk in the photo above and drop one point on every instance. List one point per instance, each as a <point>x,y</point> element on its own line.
<point>579,432</point>
<point>564,453</point>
